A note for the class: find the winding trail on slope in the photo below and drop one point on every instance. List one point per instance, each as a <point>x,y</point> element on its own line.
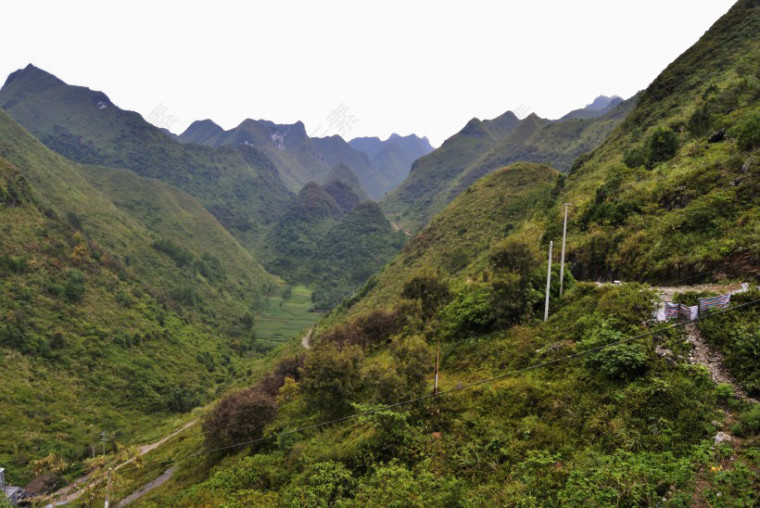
<point>80,486</point>
<point>134,496</point>
<point>306,340</point>
<point>713,360</point>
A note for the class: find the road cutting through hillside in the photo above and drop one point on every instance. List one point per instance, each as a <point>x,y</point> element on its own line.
<point>69,496</point>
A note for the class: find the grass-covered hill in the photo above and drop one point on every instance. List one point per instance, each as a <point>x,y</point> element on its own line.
<point>563,413</point>
<point>394,156</point>
<point>599,405</point>
<point>238,185</point>
<point>298,157</point>
<point>483,147</point>
<point>123,303</point>
<point>331,239</point>
<point>674,192</point>
<point>410,203</point>
<point>457,242</point>
<point>343,174</point>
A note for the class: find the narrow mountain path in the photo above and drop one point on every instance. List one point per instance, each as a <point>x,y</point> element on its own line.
<point>134,496</point>
<point>713,360</point>
<point>306,340</point>
<point>80,486</point>
<point>668,292</point>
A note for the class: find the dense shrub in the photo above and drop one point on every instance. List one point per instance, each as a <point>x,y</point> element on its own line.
<point>182,399</point>
<point>662,146</point>
<point>513,256</point>
<point>413,362</point>
<point>625,479</point>
<point>324,484</point>
<point>74,288</point>
<point>331,378</point>
<point>747,132</point>
<point>432,293</point>
<point>700,121</point>
<point>620,361</point>
<point>239,417</point>
<point>394,485</point>
<point>367,331</point>
<point>749,422</point>
<point>288,367</point>
<point>469,313</point>
<point>635,157</point>
<point>180,255</point>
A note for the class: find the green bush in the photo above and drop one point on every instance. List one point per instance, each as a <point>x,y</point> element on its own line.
<point>432,293</point>
<point>620,361</point>
<point>513,256</point>
<point>324,484</point>
<point>749,422</point>
<point>635,157</point>
<point>624,479</point>
<point>662,146</point>
<point>747,133</point>
<point>394,485</point>
<point>331,379</point>
<point>180,255</point>
<point>74,288</point>
<point>469,313</point>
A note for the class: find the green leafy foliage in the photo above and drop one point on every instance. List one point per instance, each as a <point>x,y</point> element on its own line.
<point>662,146</point>
<point>319,242</point>
<point>618,361</point>
<point>747,132</point>
<point>331,378</point>
<point>324,484</point>
<point>737,336</point>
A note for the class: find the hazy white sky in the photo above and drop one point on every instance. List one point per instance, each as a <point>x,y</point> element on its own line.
<point>351,67</point>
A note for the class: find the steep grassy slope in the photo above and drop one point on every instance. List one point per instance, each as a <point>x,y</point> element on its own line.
<point>458,241</point>
<point>674,192</point>
<point>239,186</point>
<point>342,173</point>
<point>115,314</point>
<point>410,202</point>
<point>476,151</point>
<point>531,412</point>
<point>394,156</point>
<point>597,406</point>
<point>330,240</point>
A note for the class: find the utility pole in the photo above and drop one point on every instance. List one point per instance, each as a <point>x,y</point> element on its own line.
<point>108,489</point>
<point>548,283</point>
<point>562,262</point>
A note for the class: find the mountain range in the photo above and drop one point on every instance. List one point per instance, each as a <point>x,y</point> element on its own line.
<point>135,267</point>
<point>300,158</point>
<point>441,382</point>
<point>484,146</point>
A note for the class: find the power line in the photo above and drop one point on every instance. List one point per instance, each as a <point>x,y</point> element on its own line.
<point>455,389</point>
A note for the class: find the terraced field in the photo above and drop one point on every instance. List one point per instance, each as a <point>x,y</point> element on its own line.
<point>286,316</point>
